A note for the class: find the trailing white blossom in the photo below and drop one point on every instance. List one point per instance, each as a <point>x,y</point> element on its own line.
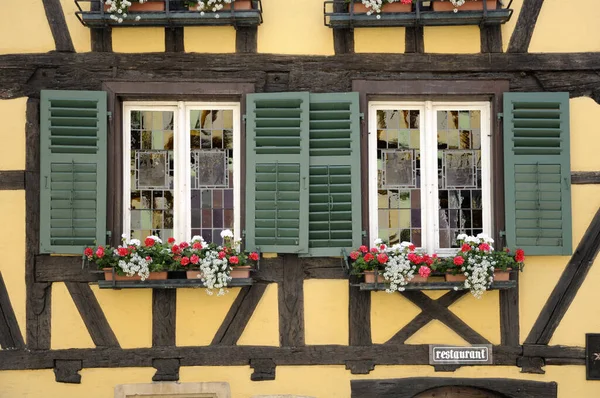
<point>215,273</point>
<point>136,265</point>
<point>375,6</point>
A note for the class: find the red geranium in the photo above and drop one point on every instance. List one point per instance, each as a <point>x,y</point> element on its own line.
<point>222,255</point>
<point>171,240</point>
<point>100,252</point>
<point>424,271</point>
<point>89,252</point>
<point>354,255</point>
<point>149,259</point>
<point>197,245</point>
<point>381,247</point>
<point>484,247</point>
<point>122,251</point>
<point>458,260</point>
<point>369,257</point>
<point>185,261</point>
<point>412,248</point>
<point>374,250</point>
<point>234,260</point>
<point>363,249</point>
<point>253,256</point>
<point>183,245</point>
<point>176,249</point>
<point>519,255</point>
<point>194,259</point>
<point>465,247</point>
<point>149,242</point>
<point>382,258</point>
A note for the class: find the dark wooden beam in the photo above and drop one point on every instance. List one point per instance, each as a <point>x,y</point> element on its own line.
<point>67,371</point>
<point>166,369</point>
<point>164,315</point>
<point>291,303</point>
<point>359,315</point>
<point>239,315</point>
<point>58,25</point>
<point>10,334</point>
<point>92,315</point>
<point>491,38</point>
<point>413,386</point>
<point>11,180</point>
<point>567,286</point>
<point>38,294</point>
<point>509,315</point>
<point>101,38</point>
<point>424,318</point>
<point>264,369</point>
<point>216,355</point>
<point>521,37</point>
<point>343,39</point>
<point>246,40</point>
<point>413,40</point>
<point>585,177</point>
<point>174,42</point>
<point>441,313</point>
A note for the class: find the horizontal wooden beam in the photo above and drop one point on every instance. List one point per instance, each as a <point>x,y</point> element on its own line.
<point>236,356</point>
<point>11,180</point>
<point>585,177</point>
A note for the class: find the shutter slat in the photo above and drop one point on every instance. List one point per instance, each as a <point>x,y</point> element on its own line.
<point>73,148</point>
<point>537,172</point>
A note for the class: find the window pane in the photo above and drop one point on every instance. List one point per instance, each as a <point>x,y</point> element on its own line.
<point>399,175</point>
<point>152,174</point>
<point>459,175</point>
<point>211,137</point>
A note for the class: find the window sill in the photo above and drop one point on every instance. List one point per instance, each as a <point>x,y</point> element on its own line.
<point>168,284</point>
<point>499,285</point>
<point>421,18</point>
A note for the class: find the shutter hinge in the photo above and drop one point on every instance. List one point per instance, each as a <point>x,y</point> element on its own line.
<point>361,116</point>
<point>243,233</point>
<point>109,115</point>
<point>502,233</point>
<point>363,234</point>
<point>244,118</point>
<point>108,237</point>
<point>500,115</point>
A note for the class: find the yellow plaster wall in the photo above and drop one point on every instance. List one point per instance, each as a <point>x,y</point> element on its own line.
<point>563,27</point>
<point>138,40</point>
<point>389,314</point>
<point>435,332</point>
<point>482,314</point>
<point>200,315</point>
<point>315,381</point>
<point>24,27</point>
<point>12,157</point>
<point>12,251</point>
<point>379,40</point>
<point>585,113</point>
<point>451,39</point>
<point>326,311</point>
<point>80,35</point>
<point>68,329</point>
<point>129,313</point>
<point>209,39</point>
<point>263,327</point>
<point>294,27</point>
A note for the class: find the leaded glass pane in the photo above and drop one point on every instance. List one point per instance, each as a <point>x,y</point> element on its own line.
<point>211,137</point>
<point>152,173</point>
<point>459,175</point>
<point>399,175</point>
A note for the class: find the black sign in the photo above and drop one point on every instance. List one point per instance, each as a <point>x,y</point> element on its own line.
<point>480,354</point>
<point>592,356</point>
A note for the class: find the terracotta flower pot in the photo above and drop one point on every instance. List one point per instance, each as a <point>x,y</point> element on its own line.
<point>242,271</point>
<point>360,8</point>
<point>194,274</point>
<point>370,277</point>
<point>108,275</point>
<point>470,5</point>
<point>455,278</point>
<point>238,5</point>
<point>143,7</point>
<point>418,279</point>
<point>502,275</point>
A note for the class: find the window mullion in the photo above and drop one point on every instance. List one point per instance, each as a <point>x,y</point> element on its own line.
<point>431,178</point>
<point>181,185</point>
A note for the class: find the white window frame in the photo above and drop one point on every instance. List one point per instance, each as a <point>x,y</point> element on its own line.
<point>182,219</point>
<point>429,168</point>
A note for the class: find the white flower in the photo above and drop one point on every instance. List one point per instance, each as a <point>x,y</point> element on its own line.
<point>378,241</point>
<point>226,233</point>
<point>134,242</point>
<point>138,18</point>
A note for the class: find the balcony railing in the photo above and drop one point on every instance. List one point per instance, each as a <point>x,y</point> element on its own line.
<point>175,13</point>
<point>342,14</point>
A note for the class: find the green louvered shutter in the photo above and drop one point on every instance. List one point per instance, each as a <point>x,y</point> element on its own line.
<point>73,170</point>
<point>537,172</point>
<point>334,197</point>
<point>277,172</point>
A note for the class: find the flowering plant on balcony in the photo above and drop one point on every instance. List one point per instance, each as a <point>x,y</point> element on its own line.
<point>375,6</point>
<point>208,5</point>
<point>119,9</point>
<point>477,261</point>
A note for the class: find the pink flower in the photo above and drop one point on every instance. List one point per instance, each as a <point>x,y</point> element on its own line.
<point>100,252</point>
<point>363,249</point>
<point>222,255</point>
<point>194,259</point>
<point>183,245</point>
<point>185,261</point>
<point>234,260</point>
<point>354,255</point>
<point>382,258</point>
<point>424,271</point>
<point>88,252</point>
<point>406,1</point>
<point>465,248</point>
<point>484,247</point>
<point>458,260</point>
<point>253,256</point>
